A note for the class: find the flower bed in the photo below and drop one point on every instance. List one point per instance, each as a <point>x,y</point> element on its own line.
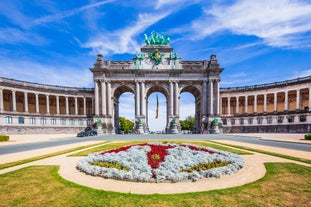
<point>159,162</point>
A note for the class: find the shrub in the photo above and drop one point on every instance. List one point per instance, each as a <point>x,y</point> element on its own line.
<point>308,136</point>
<point>4,137</point>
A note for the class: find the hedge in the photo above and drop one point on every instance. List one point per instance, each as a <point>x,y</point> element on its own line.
<point>308,136</point>
<point>4,137</point>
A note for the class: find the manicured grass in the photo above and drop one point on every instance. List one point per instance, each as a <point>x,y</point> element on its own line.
<point>125,143</point>
<point>285,184</point>
<point>265,152</point>
<point>19,162</point>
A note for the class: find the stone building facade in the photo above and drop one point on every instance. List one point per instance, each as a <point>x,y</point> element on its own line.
<point>38,108</point>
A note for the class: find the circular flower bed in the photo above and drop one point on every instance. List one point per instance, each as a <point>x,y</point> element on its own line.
<point>159,162</point>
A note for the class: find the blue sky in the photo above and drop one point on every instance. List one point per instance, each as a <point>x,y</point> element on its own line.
<point>56,42</point>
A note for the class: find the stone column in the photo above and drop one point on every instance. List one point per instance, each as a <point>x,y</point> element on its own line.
<point>171,97</point>
<point>229,105</point>
<point>26,102</point>
<point>137,100</point>
<point>286,101</point>
<point>142,100</point>
<point>57,104</point>
<point>204,98</point>
<point>237,105</point>
<point>211,98</point>
<point>176,99</point>
<point>14,100</point>
<point>47,104</point>
<point>298,99</point>
<point>76,105</point>
<point>109,105</point>
<point>1,101</point>
<point>309,98</point>
<point>67,105</point>
<point>246,104</point>
<point>264,102</point>
<point>104,99</point>
<point>96,106</point>
<point>84,105</point>
<point>275,101</point>
<point>37,103</point>
<point>255,103</point>
<point>217,97</point>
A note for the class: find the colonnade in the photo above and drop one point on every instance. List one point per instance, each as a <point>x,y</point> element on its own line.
<point>9,103</point>
<point>279,100</point>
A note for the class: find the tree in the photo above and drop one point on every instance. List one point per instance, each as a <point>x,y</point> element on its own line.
<point>188,123</point>
<point>126,125</point>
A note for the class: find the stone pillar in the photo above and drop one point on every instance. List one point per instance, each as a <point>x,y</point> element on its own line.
<point>57,104</point>
<point>104,98</point>
<point>237,105</point>
<point>176,104</point>
<point>137,100</point>
<point>14,100</point>
<point>84,105</point>
<point>286,101</point>
<point>109,105</point>
<point>255,103</point>
<point>37,103</point>
<point>47,104</point>
<point>211,98</point>
<point>298,99</point>
<point>204,98</point>
<point>1,101</point>
<point>264,102</point>
<point>309,98</point>
<point>26,102</point>
<point>96,106</point>
<point>67,105</point>
<point>217,97</point>
<point>229,105</point>
<point>171,97</point>
<point>275,101</point>
<point>142,100</point>
<point>76,105</point>
<point>246,104</point>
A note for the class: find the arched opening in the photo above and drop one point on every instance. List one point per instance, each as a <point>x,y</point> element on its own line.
<point>190,105</point>
<point>187,112</point>
<point>157,118</point>
<point>124,105</point>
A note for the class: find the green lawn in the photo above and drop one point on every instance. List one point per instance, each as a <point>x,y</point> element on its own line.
<point>285,184</point>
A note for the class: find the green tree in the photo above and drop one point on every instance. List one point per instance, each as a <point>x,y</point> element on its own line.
<point>188,123</point>
<point>126,125</point>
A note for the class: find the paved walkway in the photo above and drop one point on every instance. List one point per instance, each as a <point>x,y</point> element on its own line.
<point>253,170</point>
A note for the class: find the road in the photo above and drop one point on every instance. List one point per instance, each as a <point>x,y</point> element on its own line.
<point>8,149</point>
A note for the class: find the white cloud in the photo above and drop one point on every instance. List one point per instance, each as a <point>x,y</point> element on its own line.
<point>122,41</point>
<point>65,14</point>
<point>45,74</point>
<point>277,22</point>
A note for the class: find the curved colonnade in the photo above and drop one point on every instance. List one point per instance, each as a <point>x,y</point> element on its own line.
<point>27,107</point>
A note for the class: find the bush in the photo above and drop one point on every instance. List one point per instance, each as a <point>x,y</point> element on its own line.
<point>308,136</point>
<point>4,137</point>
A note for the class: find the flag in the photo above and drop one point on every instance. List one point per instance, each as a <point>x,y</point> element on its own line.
<point>157,108</point>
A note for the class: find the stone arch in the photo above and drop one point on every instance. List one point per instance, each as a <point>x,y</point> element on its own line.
<point>196,92</point>
<point>118,91</point>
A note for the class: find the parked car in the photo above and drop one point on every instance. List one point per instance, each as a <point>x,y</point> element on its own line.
<point>87,133</point>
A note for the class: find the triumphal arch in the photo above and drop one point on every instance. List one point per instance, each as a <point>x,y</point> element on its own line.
<point>157,68</point>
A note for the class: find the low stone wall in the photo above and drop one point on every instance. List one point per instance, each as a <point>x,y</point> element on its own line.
<point>298,128</point>
<point>39,130</point>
